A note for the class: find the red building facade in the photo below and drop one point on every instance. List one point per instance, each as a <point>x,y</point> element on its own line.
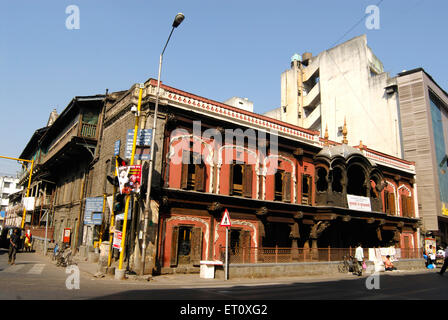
<point>284,186</point>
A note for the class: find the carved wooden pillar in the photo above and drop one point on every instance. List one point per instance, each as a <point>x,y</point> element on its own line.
<point>316,231</point>
<point>294,235</point>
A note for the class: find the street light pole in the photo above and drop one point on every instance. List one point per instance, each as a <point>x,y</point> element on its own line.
<point>177,21</point>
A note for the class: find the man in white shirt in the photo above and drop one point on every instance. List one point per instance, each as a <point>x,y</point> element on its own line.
<point>359,256</point>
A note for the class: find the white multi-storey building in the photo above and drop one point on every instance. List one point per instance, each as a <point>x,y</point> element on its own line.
<point>344,83</point>
<point>8,185</point>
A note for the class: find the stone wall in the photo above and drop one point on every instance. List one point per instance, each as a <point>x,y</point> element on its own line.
<point>271,270</point>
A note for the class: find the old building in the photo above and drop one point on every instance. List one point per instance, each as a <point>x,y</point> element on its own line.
<point>284,186</point>
<point>62,153</point>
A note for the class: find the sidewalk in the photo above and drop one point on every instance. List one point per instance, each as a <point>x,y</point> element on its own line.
<point>194,280</point>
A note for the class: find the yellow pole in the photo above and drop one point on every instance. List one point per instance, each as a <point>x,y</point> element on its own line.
<point>102,224</point>
<point>125,218</point>
<point>112,218</point>
<point>27,193</point>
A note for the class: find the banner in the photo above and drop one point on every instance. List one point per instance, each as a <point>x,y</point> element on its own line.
<point>358,203</point>
<point>28,203</point>
<point>117,239</point>
<point>130,178</point>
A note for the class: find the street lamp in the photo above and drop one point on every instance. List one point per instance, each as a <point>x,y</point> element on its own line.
<point>177,21</point>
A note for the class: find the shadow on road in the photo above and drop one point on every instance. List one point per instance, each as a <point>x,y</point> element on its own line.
<point>384,287</point>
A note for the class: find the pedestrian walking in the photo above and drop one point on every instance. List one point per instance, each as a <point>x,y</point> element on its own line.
<point>28,240</point>
<point>359,256</point>
<point>445,262</point>
<point>13,246</point>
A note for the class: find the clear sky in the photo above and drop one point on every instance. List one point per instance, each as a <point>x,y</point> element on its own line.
<point>222,49</point>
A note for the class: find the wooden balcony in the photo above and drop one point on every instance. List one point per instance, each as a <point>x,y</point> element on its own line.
<point>84,132</point>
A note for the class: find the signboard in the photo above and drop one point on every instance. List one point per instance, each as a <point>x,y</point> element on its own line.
<point>28,203</point>
<point>117,148</point>
<point>430,242</point>
<point>117,240</point>
<point>143,140</point>
<point>66,237</point>
<point>358,203</point>
<point>129,178</point>
<point>97,218</point>
<point>225,221</point>
<point>93,206</point>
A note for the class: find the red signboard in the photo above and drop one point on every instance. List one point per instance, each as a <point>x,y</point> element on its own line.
<point>67,232</point>
<point>117,239</point>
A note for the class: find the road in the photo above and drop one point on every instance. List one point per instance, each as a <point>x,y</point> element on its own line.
<point>36,277</point>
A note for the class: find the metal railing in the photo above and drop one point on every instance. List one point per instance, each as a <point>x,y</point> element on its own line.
<point>290,255</point>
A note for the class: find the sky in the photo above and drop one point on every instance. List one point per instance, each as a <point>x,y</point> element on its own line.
<point>222,49</point>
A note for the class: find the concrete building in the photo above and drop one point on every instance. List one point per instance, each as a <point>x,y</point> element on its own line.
<point>242,103</point>
<point>424,119</point>
<point>345,82</point>
<point>8,186</point>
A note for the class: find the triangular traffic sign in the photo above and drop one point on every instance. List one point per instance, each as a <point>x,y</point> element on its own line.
<point>225,221</point>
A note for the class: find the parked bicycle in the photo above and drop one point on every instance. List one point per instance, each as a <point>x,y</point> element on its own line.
<point>347,264</point>
<point>64,257</point>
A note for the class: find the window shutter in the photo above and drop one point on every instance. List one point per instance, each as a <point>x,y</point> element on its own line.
<point>386,202</point>
<point>231,178</point>
<point>184,174</point>
<point>174,241</point>
<point>310,190</point>
<point>200,177</point>
<point>196,246</point>
<point>391,203</point>
<point>245,239</point>
<point>410,207</point>
<point>286,188</point>
<point>247,181</point>
<point>244,250</point>
<point>404,209</point>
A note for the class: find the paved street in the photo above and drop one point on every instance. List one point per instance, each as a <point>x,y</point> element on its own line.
<point>36,277</point>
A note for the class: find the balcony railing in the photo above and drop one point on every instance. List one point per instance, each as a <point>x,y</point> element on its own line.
<point>86,131</point>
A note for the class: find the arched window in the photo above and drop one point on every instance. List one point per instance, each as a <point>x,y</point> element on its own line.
<point>356,181</point>
<point>373,187</point>
<point>278,188</point>
<point>237,180</point>
<point>193,171</point>
<point>336,183</point>
<point>282,186</point>
<point>322,184</point>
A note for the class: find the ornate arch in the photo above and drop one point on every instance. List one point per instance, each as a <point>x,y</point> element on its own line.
<point>234,223</point>
<point>219,164</point>
<point>208,160</point>
<point>265,170</point>
<point>203,221</point>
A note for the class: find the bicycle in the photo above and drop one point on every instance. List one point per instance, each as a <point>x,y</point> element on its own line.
<point>346,265</point>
